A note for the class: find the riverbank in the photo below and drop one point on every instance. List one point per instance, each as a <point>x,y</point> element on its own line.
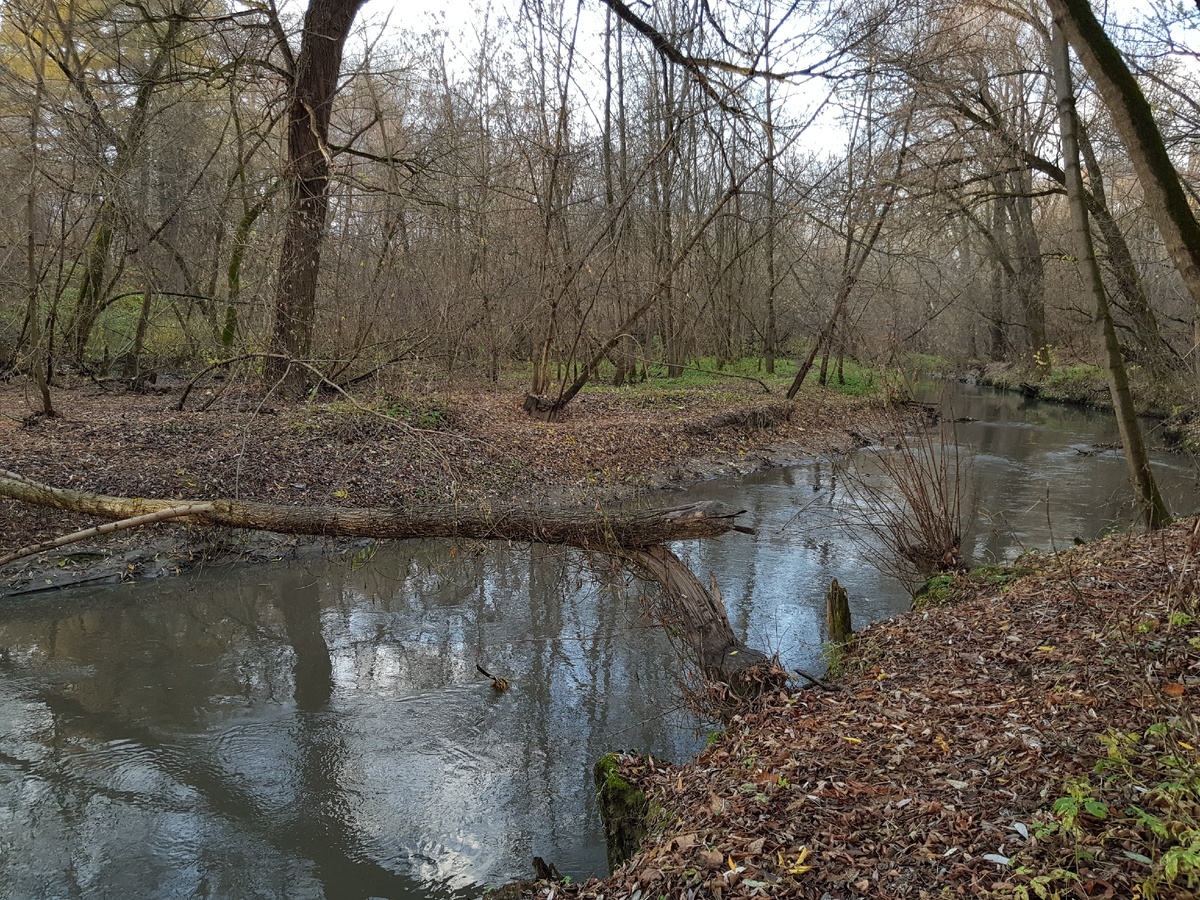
<point>1035,738</point>
<point>1173,404</point>
<point>410,443</point>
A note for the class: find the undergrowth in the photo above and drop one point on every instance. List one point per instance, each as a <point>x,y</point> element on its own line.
<point>949,588</point>
<point>1140,804</point>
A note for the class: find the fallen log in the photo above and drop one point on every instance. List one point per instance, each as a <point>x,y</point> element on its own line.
<point>634,536</point>
<point>720,655</point>
<point>605,529</point>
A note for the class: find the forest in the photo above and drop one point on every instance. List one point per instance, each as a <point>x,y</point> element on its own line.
<point>387,332</point>
<point>569,192</point>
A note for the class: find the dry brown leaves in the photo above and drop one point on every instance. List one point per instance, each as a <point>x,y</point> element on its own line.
<point>445,443</point>
<point>921,775</point>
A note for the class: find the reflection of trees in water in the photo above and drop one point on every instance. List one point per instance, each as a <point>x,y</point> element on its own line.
<point>164,657</point>
<point>260,729</point>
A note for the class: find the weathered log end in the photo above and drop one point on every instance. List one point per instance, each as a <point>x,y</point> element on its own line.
<point>837,614</point>
<point>542,408</point>
<point>734,679</point>
<point>624,810</point>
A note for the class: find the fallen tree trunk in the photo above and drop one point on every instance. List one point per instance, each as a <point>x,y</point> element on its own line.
<point>718,652</point>
<point>635,536</point>
<point>605,530</point>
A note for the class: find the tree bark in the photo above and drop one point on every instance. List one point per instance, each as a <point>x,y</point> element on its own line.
<point>1140,133</point>
<point>720,655</point>
<point>606,530</point>
<point>838,625</point>
<point>33,314</point>
<point>315,82</point>
<point>1154,508</point>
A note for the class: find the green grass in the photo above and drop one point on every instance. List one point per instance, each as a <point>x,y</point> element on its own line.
<point>927,364</point>
<point>708,372</point>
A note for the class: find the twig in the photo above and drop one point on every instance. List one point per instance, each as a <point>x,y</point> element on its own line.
<point>720,374</point>
<point>175,512</point>
<point>321,377</point>
<point>813,680</point>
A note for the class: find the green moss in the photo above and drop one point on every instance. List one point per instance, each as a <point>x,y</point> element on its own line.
<point>625,811</point>
<point>940,590</point>
<point>949,588</point>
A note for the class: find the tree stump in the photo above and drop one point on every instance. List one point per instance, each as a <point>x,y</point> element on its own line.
<point>837,614</point>
<point>624,810</point>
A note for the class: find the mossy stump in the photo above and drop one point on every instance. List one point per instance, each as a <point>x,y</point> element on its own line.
<point>837,614</point>
<point>624,810</point>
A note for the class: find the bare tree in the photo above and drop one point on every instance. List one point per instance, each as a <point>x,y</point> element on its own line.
<point>314,73</point>
<point>1154,508</point>
<point>1134,120</point>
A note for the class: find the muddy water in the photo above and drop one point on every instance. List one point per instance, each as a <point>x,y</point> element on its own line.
<point>318,728</point>
<point>1042,475</point>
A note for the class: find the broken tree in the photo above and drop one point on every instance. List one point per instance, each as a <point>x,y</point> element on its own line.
<point>636,537</point>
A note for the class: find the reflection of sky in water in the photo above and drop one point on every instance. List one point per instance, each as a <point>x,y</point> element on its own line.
<point>153,740</point>
<point>313,729</point>
<point>1040,484</point>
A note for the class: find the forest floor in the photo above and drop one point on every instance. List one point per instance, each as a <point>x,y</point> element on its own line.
<point>413,442</point>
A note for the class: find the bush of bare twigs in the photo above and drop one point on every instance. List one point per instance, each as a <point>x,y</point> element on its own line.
<point>916,498</point>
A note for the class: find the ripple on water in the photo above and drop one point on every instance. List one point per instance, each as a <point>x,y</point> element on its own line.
<point>122,766</point>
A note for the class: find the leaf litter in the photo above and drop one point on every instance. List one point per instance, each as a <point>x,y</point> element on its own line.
<point>931,768</point>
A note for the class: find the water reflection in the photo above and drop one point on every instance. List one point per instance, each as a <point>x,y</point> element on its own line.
<point>1042,479</point>
<point>320,731</point>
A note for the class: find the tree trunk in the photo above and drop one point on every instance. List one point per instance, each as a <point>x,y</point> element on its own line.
<point>633,536</point>
<point>707,633</point>
<point>315,81</point>
<point>609,530</point>
<point>1140,133</point>
<point>33,314</point>
<point>1154,508</point>
<point>854,258</point>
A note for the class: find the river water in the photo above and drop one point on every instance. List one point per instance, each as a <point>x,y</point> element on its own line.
<point>318,729</point>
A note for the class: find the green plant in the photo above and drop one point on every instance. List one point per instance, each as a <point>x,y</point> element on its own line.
<point>1141,803</point>
<point>1047,886</point>
<point>951,587</point>
<point>1078,801</point>
<point>938,590</point>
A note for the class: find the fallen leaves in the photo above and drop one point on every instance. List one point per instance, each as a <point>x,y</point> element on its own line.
<point>611,444</point>
<point>935,780</point>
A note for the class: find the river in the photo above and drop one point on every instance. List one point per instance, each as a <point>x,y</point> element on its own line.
<point>318,729</point>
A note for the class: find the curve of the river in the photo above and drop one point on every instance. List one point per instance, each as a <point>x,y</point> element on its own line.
<point>317,729</point>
